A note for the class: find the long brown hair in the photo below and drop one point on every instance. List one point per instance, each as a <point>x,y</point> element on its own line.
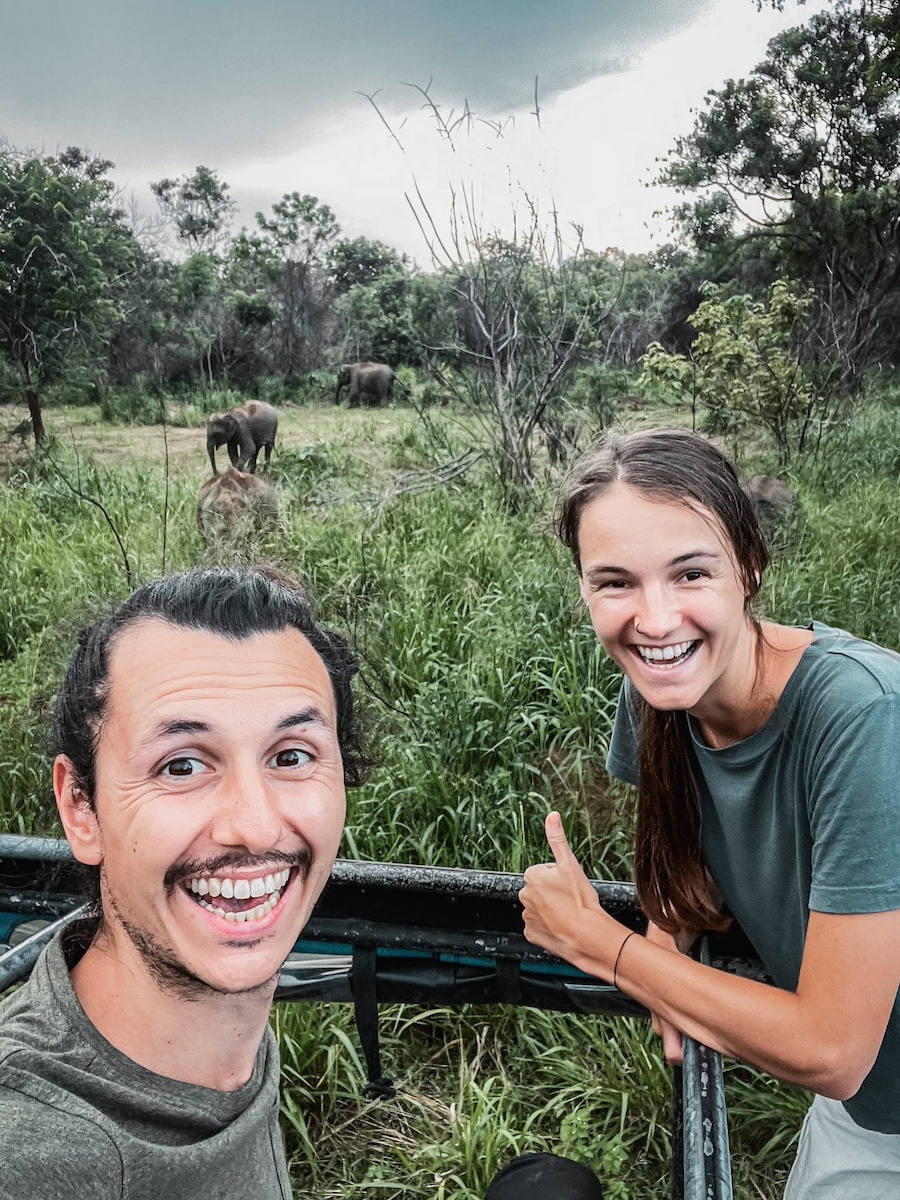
<point>674,466</point>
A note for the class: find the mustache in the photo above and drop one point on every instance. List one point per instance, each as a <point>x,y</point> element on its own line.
<point>273,859</point>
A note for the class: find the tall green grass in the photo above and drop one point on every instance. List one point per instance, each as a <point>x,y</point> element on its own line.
<point>488,702</point>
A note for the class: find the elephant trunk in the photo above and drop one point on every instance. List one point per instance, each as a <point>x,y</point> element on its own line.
<point>211,444</point>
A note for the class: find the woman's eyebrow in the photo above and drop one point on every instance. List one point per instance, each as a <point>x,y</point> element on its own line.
<point>603,570</point>
<point>683,558</point>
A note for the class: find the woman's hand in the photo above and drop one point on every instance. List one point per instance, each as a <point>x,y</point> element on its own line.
<point>561,910</point>
<point>671,1035</point>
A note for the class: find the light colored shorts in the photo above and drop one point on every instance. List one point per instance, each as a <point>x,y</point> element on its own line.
<point>839,1160</point>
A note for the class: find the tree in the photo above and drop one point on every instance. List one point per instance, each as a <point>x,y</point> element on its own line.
<point>520,316</point>
<point>63,243</point>
<point>290,257</point>
<point>375,288</point>
<point>199,206</point>
<point>806,155</point>
<point>744,369</point>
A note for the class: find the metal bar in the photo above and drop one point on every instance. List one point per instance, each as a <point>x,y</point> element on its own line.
<point>17,962</point>
<point>39,849</point>
<point>707,1156</point>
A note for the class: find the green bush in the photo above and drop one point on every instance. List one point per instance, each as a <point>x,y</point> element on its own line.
<point>131,406</point>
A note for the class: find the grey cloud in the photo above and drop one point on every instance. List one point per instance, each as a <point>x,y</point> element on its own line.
<point>177,82</point>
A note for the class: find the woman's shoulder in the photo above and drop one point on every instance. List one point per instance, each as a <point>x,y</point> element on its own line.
<point>858,670</point>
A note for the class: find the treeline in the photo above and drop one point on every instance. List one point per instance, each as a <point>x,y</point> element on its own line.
<point>789,175</point>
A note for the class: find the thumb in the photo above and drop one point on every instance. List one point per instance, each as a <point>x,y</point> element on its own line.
<point>556,838</point>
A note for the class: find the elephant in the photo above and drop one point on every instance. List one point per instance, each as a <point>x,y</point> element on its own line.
<point>235,502</point>
<point>777,506</point>
<point>245,430</point>
<point>373,380</point>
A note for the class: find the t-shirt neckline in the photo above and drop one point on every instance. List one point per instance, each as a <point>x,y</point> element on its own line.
<point>768,733</point>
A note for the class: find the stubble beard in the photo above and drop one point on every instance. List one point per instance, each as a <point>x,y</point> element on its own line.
<point>166,970</point>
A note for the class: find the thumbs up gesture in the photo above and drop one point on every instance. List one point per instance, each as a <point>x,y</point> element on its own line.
<point>560,905</point>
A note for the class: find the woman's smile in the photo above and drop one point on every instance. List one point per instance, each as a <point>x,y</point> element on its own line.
<point>667,601</point>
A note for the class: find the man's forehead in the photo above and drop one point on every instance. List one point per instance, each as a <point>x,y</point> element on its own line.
<point>162,662</point>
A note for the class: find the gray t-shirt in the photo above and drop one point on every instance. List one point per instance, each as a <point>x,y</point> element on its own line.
<point>805,814</point>
<point>81,1121</point>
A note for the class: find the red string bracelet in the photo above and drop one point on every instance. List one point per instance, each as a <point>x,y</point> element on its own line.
<point>619,955</point>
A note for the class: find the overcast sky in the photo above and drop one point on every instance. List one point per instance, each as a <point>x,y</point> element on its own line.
<point>266,92</point>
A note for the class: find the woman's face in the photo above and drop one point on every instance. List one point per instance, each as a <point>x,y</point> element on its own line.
<point>666,600</point>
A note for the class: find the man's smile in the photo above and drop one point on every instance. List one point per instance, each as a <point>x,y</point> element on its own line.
<point>239,899</point>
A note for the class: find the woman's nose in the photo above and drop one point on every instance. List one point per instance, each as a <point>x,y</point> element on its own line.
<point>657,614</point>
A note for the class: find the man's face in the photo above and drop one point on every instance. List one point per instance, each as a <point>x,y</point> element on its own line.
<point>219,801</point>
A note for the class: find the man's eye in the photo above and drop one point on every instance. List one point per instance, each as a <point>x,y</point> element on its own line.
<point>291,758</point>
<point>183,768</point>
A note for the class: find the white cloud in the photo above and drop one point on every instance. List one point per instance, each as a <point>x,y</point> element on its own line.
<point>594,152</point>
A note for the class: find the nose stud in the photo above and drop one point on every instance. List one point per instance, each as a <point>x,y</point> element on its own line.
<point>637,629</point>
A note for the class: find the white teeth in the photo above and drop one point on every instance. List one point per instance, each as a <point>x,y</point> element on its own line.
<point>664,653</point>
<point>239,889</point>
<point>253,914</point>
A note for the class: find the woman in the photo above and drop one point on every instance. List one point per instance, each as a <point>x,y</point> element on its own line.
<point>767,760</point>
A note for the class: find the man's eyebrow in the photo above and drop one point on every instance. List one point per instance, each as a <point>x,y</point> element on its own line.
<point>306,716</point>
<point>175,729</point>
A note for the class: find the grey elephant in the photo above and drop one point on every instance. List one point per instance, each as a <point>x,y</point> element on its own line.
<point>777,506</point>
<point>375,381</point>
<point>234,503</point>
<point>245,429</point>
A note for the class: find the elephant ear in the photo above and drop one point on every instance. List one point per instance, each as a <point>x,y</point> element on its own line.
<point>214,419</point>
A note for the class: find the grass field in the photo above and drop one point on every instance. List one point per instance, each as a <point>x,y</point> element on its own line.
<point>488,702</point>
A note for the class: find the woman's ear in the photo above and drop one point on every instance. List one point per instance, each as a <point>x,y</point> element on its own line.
<point>78,817</point>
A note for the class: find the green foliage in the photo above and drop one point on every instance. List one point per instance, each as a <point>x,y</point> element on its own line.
<point>133,405</point>
<point>198,205</point>
<point>743,371</point>
<point>62,238</point>
<point>804,155</point>
<point>488,701</point>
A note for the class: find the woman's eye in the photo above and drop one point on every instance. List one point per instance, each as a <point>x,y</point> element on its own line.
<point>183,768</point>
<point>291,758</point>
<point>693,576</point>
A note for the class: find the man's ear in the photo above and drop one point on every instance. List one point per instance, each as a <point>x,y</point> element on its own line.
<point>78,818</point>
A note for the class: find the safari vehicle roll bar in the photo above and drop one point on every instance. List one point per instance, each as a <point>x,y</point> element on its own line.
<point>387,933</point>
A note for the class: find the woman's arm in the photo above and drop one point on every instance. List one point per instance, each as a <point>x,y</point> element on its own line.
<point>825,1036</point>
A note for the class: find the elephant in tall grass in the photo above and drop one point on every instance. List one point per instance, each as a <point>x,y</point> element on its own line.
<point>245,430</point>
<point>375,381</point>
<point>233,503</point>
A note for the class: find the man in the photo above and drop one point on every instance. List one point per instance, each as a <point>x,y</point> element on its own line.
<point>205,734</point>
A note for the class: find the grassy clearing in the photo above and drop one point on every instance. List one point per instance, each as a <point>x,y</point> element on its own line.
<point>489,701</point>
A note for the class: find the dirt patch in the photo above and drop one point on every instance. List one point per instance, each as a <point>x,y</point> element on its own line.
<point>354,432</point>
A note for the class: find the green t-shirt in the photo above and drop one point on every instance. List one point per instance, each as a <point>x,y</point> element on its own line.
<point>81,1121</point>
<point>805,814</point>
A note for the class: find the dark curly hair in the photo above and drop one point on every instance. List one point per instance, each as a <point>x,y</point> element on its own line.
<point>233,602</point>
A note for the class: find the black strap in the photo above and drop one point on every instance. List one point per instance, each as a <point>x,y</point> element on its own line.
<point>509,980</point>
<point>365,1007</point>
